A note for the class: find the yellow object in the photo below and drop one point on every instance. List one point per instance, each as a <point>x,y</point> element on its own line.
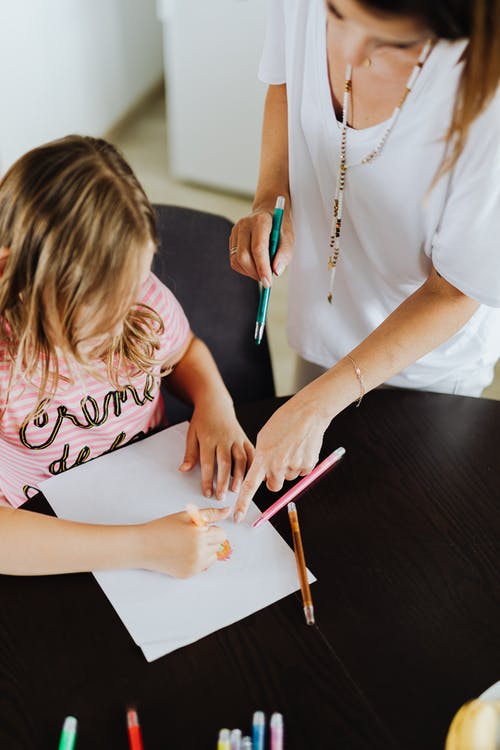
<point>225,550</point>
<point>476,726</point>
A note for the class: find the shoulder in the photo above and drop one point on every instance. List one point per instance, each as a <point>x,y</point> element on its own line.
<point>465,247</point>
<point>286,33</point>
<point>292,8</point>
<point>293,14</point>
<point>156,295</point>
<point>479,162</point>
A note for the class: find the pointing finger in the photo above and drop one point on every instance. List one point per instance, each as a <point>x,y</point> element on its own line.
<point>249,487</point>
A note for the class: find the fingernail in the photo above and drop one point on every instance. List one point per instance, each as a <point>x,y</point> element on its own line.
<point>279,269</point>
<point>236,487</point>
<point>265,283</point>
<point>184,466</point>
<point>238,516</point>
<point>207,493</point>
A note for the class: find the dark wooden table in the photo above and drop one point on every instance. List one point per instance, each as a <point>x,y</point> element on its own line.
<point>404,538</point>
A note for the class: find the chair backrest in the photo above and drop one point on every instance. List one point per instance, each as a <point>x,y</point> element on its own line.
<point>220,304</point>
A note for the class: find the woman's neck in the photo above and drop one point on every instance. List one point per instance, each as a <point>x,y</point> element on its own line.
<point>377,87</point>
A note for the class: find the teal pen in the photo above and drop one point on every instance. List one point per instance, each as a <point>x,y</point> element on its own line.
<point>274,239</point>
<point>68,734</point>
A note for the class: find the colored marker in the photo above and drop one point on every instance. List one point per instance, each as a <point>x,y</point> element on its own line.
<point>134,730</point>
<point>258,730</point>
<point>300,561</point>
<point>276,725</point>
<point>292,493</point>
<point>68,734</point>
<point>224,742</point>
<point>274,238</point>
<point>246,743</point>
<point>235,739</point>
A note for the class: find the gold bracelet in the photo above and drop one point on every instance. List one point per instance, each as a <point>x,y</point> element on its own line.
<point>359,377</point>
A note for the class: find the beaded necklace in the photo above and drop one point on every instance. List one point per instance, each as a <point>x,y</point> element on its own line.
<point>368,159</point>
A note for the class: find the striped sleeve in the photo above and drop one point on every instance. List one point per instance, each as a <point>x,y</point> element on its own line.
<point>176,325</point>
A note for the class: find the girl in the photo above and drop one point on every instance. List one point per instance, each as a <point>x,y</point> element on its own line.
<point>86,332</point>
<point>382,129</point>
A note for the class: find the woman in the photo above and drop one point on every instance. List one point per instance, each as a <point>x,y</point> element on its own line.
<point>382,131</point>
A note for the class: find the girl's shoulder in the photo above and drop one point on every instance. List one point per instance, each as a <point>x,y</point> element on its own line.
<point>155,294</point>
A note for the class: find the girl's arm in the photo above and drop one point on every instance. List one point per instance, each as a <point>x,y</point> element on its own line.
<point>289,443</point>
<point>34,544</point>
<point>214,435</point>
<point>251,234</point>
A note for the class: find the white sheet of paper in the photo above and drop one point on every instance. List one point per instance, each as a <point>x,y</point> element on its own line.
<point>141,482</point>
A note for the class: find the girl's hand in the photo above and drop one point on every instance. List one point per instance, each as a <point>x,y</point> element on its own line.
<point>250,237</point>
<point>217,439</point>
<point>176,546</point>
<point>287,447</point>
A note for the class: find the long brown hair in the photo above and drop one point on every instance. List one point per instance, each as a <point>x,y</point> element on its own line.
<point>479,22</point>
<point>77,225</point>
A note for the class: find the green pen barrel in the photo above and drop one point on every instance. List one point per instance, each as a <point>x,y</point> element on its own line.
<point>68,734</point>
<point>274,239</point>
<point>263,303</point>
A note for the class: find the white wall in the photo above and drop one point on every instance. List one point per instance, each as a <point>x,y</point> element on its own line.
<point>72,66</point>
<point>214,98</point>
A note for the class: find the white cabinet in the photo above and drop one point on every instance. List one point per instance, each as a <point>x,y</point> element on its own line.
<point>215,101</point>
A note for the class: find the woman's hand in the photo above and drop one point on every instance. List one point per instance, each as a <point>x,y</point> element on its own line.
<point>217,439</point>
<point>289,443</point>
<point>249,240</point>
<point>249,246</point>
<point>176,546</point>
<point>287,446</point>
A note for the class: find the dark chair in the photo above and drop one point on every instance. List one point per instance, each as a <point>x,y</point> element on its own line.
<point>220,304</point>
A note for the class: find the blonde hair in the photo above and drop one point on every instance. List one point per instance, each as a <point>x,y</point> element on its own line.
<point>480,75</point>
<point>77,225</point>
<point>478,21</point>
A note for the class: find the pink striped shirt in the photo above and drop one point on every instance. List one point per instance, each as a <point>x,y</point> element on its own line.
<point>83,420</point>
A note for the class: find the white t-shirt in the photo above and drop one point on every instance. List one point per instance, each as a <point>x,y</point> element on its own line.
<point>393,229</point>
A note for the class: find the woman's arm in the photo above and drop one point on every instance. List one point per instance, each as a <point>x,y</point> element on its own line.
<point>289,443</point>
<point>214,435</point>
<point>430,316</point>
<point>251,234</point>
<point>34,544</point>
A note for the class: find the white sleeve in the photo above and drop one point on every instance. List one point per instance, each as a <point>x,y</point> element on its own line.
<point>466,247</point>
<point>272,62</point>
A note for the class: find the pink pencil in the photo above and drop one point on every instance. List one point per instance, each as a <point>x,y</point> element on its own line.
<point>292,493</point>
